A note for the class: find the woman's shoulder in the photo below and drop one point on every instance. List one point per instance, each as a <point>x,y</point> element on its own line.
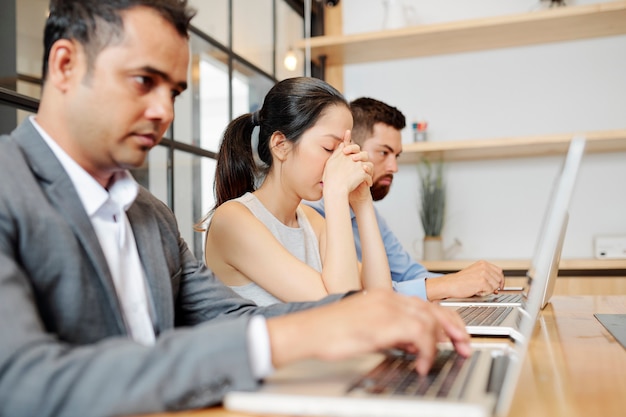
<point>315,219</point>
<point>230,212</point>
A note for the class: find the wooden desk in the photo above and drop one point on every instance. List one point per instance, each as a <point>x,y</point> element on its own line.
<point>574,366</point>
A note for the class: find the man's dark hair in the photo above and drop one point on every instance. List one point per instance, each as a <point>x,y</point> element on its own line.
<point>97,23</point>
<point>366,112</point>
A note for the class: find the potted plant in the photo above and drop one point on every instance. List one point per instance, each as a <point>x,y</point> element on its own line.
<point>432,207</point>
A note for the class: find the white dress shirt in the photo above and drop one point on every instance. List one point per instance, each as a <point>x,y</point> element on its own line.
<point>107,211</point>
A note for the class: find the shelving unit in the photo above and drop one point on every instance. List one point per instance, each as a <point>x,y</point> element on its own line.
<point>540,27</point>
<point>545,26</point>
<point>513,147</point>
<point>551,25</point>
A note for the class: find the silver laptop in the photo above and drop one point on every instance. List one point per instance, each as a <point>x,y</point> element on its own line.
<point>503,298</point>
<point>514,297</point>
<point>386,384</point>
<point>488,318</point>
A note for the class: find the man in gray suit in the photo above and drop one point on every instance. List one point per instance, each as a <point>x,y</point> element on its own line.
<point>103,308</point>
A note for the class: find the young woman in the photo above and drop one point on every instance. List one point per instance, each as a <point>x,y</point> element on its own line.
<point>263,242</point>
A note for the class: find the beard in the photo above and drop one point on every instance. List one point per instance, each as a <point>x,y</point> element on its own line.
<point>378,190</point>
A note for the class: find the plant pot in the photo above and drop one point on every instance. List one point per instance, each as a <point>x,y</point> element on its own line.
<point>433,248</point>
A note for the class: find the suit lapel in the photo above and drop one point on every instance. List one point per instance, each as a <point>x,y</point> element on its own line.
<point>149,246</point>
<point>61,193</point>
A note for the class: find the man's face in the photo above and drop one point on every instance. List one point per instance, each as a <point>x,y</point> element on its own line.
<point>383,147</point>
<point>121,110</point>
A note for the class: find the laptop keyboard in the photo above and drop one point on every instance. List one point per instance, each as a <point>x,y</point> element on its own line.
<point>483,315</point>
<point>506,298</point>
<point>396,375</point>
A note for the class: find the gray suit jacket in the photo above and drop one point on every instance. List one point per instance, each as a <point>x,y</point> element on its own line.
<point>64,349</point>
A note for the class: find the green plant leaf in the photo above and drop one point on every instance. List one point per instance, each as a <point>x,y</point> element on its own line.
<point>433,197</point>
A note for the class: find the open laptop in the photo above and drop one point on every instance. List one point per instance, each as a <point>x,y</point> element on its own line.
<point>483,315</point>
<point>513,297</point>
<point>386,384</point>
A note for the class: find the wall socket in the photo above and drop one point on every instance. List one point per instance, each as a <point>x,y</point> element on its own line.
<point>610,247</point>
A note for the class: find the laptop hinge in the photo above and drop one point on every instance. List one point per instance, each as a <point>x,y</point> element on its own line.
<point>499,365</point>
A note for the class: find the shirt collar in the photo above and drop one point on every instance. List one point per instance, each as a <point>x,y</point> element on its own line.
<point>122,191</point>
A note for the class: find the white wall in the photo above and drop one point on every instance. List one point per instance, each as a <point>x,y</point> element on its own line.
<point>495,207</point>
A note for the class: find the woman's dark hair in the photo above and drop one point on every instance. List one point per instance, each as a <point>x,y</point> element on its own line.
<point>97,23</point>
<point>291,107</point>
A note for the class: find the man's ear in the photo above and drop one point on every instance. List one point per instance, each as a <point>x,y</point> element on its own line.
<point>280,145</point>
<point>63,63</point>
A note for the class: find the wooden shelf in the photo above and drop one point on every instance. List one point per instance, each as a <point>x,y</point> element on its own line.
<point>545,26</point>
<point>596,266</point>
<point>511,147</point>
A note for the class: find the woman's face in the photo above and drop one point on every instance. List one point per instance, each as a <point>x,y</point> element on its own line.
<point>304,165</point>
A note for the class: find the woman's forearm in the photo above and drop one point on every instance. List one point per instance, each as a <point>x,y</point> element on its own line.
<point>340,271</point>
<point>375,271</point>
